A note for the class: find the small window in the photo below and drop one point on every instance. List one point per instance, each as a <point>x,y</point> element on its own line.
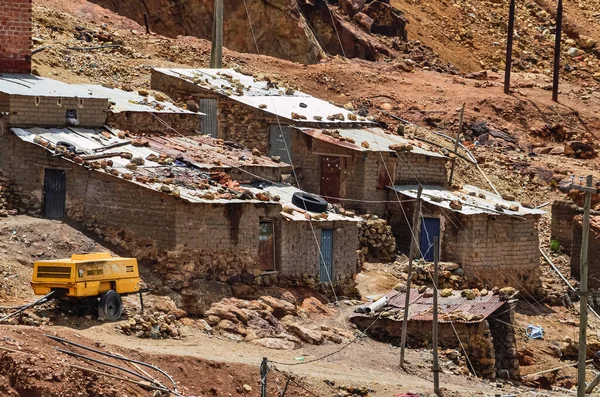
<point>71,117</point>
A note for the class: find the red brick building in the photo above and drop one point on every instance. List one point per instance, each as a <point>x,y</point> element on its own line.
<point>15,36</point>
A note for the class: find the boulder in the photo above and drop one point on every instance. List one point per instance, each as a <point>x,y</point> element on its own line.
<point>388,21</point>
<point>305,334</point>
<point>274,343</point>
<point>231,327</point>
<point>351,7</point>
<point>280,307</point>
<point>364,21</point>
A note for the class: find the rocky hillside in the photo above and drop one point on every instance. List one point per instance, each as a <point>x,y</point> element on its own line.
<point>469,34</point>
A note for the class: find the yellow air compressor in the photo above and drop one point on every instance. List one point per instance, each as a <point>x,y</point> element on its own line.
<point>88,280</point>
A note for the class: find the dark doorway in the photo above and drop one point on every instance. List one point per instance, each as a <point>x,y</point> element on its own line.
<point>430,228</point>
<point>330,178</point>
<point>266,246</point>
<point>55,193</point>
<point>326,256</point>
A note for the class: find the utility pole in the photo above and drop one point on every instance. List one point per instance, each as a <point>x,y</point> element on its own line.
<point>460,127</point>
<point>264,369</point>
<point>583,276</point>
<point>436,368</point>
<point>216,48</point>
<point>509,46</point>
<point>411,254</point>
<point>559,12</point>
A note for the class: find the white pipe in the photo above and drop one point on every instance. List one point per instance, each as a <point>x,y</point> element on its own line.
<point>377,305</point>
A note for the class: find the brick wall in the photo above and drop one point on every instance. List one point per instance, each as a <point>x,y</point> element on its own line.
<point>15,36</point>
<point>593,253</point>
<point>147,122</point>
<point>412,168</point>
<point>29,111</point>
<point>561,226</point>
<point>244,124</point>
<point>498,250</point>
<point>300,253</point>
<point>501,250</point>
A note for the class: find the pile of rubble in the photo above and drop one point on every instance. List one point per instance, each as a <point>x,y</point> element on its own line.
<point>450,275</point>
<point>156,326</point>
<point>376,238</point>
<point>271,322</point>
<point>32,319</point>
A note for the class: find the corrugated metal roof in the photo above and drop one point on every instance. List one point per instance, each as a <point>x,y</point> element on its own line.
<point>473,199</point>
<point>366,140</point>
<point>452,308</point>
<point>264,95</point>
<point>20,84</point>
<point>184,177</point>
<point>124,101</point>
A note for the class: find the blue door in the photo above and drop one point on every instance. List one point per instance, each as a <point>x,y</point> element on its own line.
<point>326,256</point>
<point>430,227</point>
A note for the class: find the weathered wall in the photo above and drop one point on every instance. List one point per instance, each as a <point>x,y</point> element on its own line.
<point>476,338</point>
<point>412,168</point>
<point>561,226</point>
<point>147,122</point>
<point>496,250</point>
<point>593,251</point>
<point>364,175</point>
<point>505,343</point>
<point>244,124</point>
<point>15,36</point>
<point>30,111</point>
<point>300,251</point>
<point>500,250</point>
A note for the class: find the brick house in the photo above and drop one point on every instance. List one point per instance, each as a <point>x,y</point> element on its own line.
<point>15,36</point>
<point>494,240</point>
<point>253,111</point>
<point>170,201</point>
<point>356,166</point>
<point>38,101</point>
<point>305,132</point>
<point>145,113</point>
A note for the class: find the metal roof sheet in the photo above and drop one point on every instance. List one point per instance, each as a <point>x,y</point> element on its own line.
<point>473,199</point>
<point>29,85</point>
<point>366,140</point>
<point>125,101</point>
<point>452,308</point>
<point>264,95</point>
<point>184,177</point>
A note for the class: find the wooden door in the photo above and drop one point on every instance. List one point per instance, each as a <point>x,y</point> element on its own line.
<point>330,178</point>
<point>430,228</point>
<point>266,246</point>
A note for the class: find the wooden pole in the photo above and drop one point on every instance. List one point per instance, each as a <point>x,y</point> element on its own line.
<point>509,46</point>
<point>559,12</point>
<point>436,368</point>
<point>216,48</point>
<point>146,23</point>
<point>583,282</point>
<point>411,254</point>
<point>460,127</point>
